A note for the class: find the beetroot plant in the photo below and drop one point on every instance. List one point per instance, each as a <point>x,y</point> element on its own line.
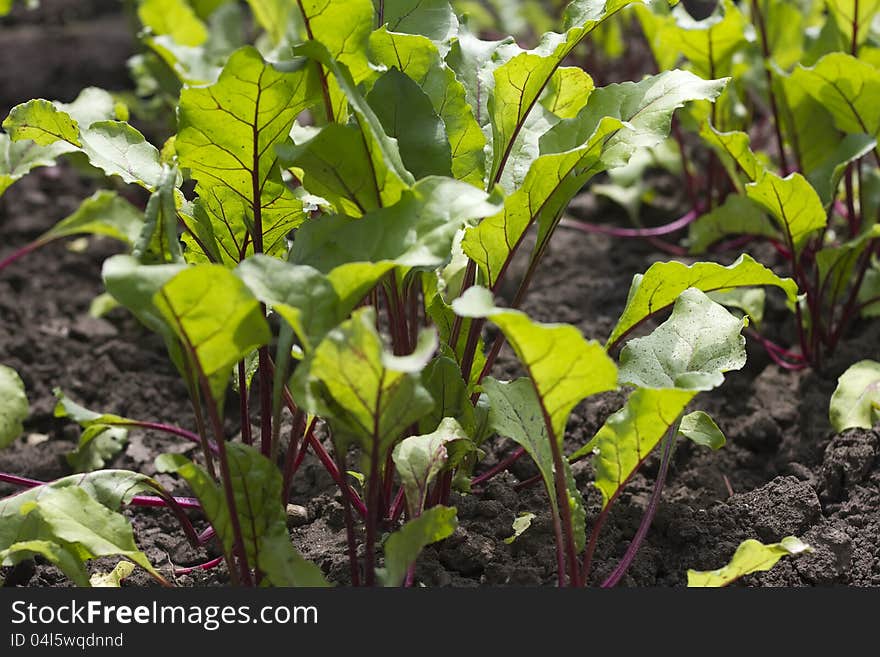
<point>328,233</point>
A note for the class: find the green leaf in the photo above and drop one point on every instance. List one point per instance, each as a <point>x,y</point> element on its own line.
<point>548,187</point>
<point>430,18</point>
<point>515,413</point>
<point>443,381</point>
<point>630,435</point>
<point>807,124</point>
<point>691,350</point>
<point>420,59</point>
<point>748,299</point>
<point>519,82</point>
<point>64,558</point>
<point>367,395</point>
<point>700,428</point>
<point>646,108</point>
<point>73,519</point>
<point>17,158</point>
<point>174,18</point>
<point>103,213</point>
<point>311,302</point>
<point>14,407</point>
<point>218,335</point>
<point>407,115</point>
<point>845,86</point>
<point>113,146</point>
<point>256,485</point>
<point>419,459</point>
<point>335,164</point>
<point>114,578</point>
<point>709,44</point>
<point>564,367</point>
<point>568,91</point>
<point>403,546</point>
<point>520,524</point>
<point>343,27</point>
<point>856,400</point>
<point>390,177</point>
<point>735,152</point>
<point>659,287</point>
<point>738,215</point>
<point>42,122</point>
<point>750,557</point>
<point>853,17</point>
<point>119,150</point>
<point>227,137</point>
<point>103,437</point>
<point>793,204</point>
<point>826,176</point>
<point>273,16</point>
<point>415,232</point>
<point>837,264</point>
<point>786,25</point>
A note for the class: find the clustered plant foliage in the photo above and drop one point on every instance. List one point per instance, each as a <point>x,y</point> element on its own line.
<point>330,229</point>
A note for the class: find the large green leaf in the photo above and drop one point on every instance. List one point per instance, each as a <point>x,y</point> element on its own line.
<point>407,115</point>
<point>367,395</point>
<point>42,122</point>
<point>548,187</point>
<point>826,176</point>
<point>845,86</point>
<point>806,122</point>
<point>311,302</point>
<point>420,59</point>
<point>690,351</point>
<point>564,367</point>
<point>646,108</point>
<point>750,557</point>
<point>519,82</point>
<point>389,176</point>
<point>630,435</point>
<point>417,231</point>
<point>256,485</point>
<point>227,137</point>
<point>343,27</point>
<point>792,202</point>
<point>14,407</point>
<point>431,18</point>
<point>216,316</point>
<point>659,287</point>
<point>419,459</point>
<point>403,546</point>
<point>72,520</point>
<point>113,146</point>
<point>856,400</point>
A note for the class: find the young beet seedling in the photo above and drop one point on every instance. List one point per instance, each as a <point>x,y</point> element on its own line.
<point>407,163</point>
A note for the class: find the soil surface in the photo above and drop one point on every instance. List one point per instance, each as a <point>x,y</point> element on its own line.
<point>783,471</point>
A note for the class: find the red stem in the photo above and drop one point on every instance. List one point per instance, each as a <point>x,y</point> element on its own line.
<point>648,518</point>
<point>657,231</point>
<point>208,565</point>
<point>499,467</point>
<point>20,253</point>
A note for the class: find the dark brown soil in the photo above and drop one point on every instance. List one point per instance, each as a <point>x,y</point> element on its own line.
<point>788,472</point>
